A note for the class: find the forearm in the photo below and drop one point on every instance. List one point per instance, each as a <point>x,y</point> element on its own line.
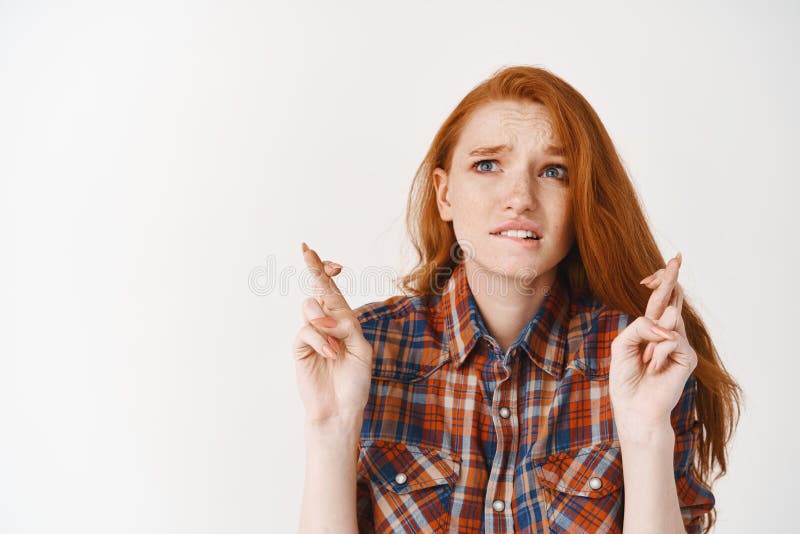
<point>329,488</point>
<point>651,497</point>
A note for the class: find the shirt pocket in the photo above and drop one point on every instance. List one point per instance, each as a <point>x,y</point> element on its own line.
<point>412,486</point>
<point>582,489</point>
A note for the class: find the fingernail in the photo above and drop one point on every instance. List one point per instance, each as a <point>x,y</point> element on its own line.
<point>646,279</point>
<point>680,258</point>
<point>334,265</point>
<point>305,247</point>
<point>328,322</point>
<point>648,352</point>
<point>328,352</point>
<point>335,344</point>
<point>666,334</point>
<point>645,353</point>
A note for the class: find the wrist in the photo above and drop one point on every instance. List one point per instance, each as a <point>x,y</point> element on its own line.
<point>650,434</point>
<point>333,441</point>
<point>635,426</point>
<point>335,427</point>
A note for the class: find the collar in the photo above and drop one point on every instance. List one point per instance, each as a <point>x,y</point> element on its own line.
<point>544,338</point>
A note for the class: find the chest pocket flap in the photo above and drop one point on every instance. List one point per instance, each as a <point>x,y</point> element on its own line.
<point>593,471</point>
<point>405,468</point>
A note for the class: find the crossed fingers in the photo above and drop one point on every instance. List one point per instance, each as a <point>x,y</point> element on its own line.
<point>666,292</point>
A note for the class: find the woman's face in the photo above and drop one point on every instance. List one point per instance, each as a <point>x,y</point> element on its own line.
<point>521,181</point>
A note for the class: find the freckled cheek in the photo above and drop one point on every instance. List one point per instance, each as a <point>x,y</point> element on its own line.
<point>469,223</point>
<point>563,230</point>
<point>470,206</point>
<point>558,216</point>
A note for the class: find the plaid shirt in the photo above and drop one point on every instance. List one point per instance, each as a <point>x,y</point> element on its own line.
<point>459,437</point>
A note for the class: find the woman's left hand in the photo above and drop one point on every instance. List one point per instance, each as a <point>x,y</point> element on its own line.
<point>645,385</point>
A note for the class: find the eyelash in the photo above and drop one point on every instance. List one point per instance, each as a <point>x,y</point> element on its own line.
<point>475,166</point>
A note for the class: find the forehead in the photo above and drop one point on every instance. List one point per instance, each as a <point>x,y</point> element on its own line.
<point>516,123</point>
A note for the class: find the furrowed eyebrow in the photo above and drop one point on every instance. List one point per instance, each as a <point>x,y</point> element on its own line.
<point>489,150</point>
<point>497,149</point>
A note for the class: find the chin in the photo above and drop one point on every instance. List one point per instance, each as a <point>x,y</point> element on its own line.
<point>512,267</point>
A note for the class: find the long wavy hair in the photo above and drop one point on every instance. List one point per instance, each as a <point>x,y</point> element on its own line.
<point>612,237</point>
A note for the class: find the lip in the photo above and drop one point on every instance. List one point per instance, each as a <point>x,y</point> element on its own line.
<point>519,224</point>
<point>528,244</point>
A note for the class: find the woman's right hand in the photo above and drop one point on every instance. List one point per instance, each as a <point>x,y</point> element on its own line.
<point>334,386</point>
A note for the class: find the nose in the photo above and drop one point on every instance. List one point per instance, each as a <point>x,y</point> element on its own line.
<point>521,195</point>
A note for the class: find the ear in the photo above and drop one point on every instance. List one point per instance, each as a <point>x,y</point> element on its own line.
<point>441,181</point>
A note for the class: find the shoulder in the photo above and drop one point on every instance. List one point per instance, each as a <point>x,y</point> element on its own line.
<point>406,334</point>
<point>593,327</point>
<point>394,307</point>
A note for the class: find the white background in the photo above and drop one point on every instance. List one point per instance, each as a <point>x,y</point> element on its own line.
<point>160,164</point>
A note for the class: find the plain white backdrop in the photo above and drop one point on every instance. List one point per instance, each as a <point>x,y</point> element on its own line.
<point>161,162</point>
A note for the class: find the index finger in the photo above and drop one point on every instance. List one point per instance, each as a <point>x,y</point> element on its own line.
<point>328,292</point>
<point>660,297</point>
<point>677,302</point>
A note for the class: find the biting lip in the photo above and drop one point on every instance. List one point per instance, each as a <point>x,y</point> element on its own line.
<point>525,243</point>
<point>519,224</point>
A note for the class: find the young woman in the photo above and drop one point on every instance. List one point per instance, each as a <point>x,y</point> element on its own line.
<point>527,381</point>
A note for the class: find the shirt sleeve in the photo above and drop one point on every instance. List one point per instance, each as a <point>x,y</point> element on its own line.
<point>694,496</point>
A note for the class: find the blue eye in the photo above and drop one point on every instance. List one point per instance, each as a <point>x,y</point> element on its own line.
<point>563,169</point>
<point>477,164</point>
<point>483,170</point>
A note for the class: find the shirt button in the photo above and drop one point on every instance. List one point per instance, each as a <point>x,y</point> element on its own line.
<point>498,505</point>
<point>504,412</point>
<point>401,478</point>
<point>595,483</point>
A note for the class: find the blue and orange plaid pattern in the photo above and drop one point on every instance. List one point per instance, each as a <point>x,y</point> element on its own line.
<point>459,437</point>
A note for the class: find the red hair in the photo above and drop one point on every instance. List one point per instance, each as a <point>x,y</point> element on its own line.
<point>612,237</point>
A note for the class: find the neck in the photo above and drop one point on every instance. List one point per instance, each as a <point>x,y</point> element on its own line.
<point>507,303</point>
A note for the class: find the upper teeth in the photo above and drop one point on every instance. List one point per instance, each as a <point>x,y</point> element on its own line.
<point>519,233</point>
